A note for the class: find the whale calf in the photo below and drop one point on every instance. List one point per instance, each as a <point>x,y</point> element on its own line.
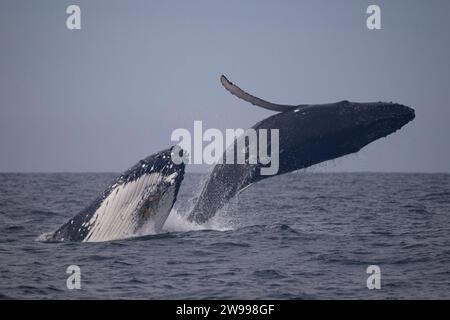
<point>142,197</point>
<point>308,135</point>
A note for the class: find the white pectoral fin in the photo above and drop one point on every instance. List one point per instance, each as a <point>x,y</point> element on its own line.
<point>238,92</point>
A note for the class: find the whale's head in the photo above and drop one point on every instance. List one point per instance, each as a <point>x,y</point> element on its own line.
<point>348,126</point>
<point>311,134</point>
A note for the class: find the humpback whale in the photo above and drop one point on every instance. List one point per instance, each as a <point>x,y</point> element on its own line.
<point>308,134</point>
<point>142,197</point>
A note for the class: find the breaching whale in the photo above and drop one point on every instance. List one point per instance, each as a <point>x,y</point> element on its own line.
<point>308,135</point>
<point>142,197</point>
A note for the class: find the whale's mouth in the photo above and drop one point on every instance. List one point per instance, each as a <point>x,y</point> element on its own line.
<point>352,138</point>
<point>384,126</point>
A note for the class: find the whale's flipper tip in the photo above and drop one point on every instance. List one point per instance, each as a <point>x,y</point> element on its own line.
<point>225,82</point>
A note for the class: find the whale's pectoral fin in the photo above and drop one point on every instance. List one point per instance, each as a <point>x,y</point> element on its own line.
<point>142,196</point>
<point>238,92</point>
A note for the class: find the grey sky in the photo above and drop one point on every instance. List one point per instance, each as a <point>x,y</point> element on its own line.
<point>103,97</point>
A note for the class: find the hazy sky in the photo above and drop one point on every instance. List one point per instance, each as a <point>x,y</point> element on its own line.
<point>105,96</point>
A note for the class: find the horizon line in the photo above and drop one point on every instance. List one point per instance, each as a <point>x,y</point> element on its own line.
<point>206,172</point>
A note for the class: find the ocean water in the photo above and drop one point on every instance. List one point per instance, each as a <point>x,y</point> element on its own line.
<point>297,236</point>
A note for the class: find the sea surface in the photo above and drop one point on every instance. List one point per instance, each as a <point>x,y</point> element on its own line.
<point>304,235</point>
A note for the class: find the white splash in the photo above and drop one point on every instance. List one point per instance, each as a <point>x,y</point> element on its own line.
<point>178,222</point>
